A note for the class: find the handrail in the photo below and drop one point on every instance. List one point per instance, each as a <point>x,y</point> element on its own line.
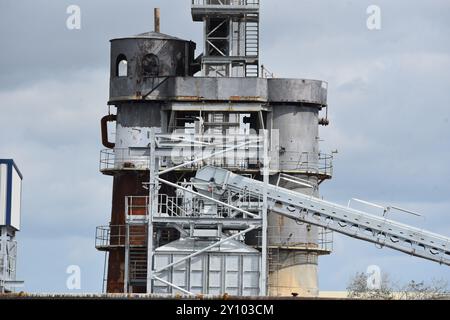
<point>307,162</point>
<point>354,223</point>
<point>225,3</point>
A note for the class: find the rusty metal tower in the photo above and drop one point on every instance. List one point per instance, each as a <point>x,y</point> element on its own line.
<point>160,102</point>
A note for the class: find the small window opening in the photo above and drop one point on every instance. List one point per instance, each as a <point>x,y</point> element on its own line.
<point>122,66</point>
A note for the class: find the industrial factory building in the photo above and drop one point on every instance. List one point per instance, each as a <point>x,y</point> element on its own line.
<point>216,169</point>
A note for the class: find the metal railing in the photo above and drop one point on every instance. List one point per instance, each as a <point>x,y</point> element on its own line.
<point>325,239</point>
<point>353,223</point>
<point>136,206</point>
<point>241,160</point>
<point>186,206</point>
<point>110,236</point>
<point>307,162</point>
<point>122,159</point>
<point>322,241</point>
<point>184,147</point>
<point>225,2</point>
<point>115,236</point>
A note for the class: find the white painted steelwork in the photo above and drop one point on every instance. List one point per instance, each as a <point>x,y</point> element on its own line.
<point>345,220</point>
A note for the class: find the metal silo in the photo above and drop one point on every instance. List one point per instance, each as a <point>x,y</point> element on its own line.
<point>138,64</point>
<point>294,248</point>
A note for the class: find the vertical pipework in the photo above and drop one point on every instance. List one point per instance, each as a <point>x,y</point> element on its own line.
<point>157,20</point>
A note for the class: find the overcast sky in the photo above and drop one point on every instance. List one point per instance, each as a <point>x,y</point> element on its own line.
<point>389,105</point>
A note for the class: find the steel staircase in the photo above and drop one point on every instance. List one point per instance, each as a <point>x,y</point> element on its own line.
<point>138,266</point>
<point>252,44</point>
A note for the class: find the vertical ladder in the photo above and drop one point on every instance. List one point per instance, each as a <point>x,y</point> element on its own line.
<point>218,118</point>
<point>138,266</point>
<point>136,250</point>
<point>252,44</point>
<point>274,266</point>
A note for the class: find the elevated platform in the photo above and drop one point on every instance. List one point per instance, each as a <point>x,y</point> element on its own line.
<point>112,162</point>
<point>238,8</point>
<point>230,59</point>
<point>205,89</point>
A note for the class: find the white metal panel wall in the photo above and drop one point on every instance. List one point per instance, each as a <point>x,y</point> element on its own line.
<point>211,273</point>
<point>3,177</point>
<point>16,195</point>
<point>161,260</point>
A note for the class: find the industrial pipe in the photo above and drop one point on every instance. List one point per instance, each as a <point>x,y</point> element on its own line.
<point>104,127</point>
<point>157,20</point>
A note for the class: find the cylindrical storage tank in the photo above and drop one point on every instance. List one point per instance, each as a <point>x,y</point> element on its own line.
<point>139,63</point>
<point>294,267</point>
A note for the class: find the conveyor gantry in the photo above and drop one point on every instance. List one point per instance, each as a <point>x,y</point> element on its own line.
<point>344,220</point>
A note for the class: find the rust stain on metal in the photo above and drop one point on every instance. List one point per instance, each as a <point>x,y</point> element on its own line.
<point>187,98</point>
<point>125,184</point>
<point>245,98</point>
<point>137,95</point>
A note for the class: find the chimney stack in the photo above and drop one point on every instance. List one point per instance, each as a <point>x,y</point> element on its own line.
<point>157,20</point>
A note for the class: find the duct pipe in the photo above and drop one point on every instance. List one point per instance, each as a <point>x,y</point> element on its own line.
<point>104,127</point>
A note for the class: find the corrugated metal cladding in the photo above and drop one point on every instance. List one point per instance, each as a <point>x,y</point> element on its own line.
<point>10,194</point>
<point>233,268</point>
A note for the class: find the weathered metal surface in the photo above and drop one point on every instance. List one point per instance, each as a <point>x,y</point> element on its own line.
<point>196,89</point>
<point>148,56</point>
<point>300,277</point>
<point>125,184</point>
<point>217,106</point>
<point>298,90</point>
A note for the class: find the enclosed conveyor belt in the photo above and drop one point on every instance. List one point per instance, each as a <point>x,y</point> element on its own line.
<point>345,220</point>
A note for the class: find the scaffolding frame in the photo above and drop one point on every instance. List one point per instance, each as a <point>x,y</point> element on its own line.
<point>254,221</point>
<point>231,37</point>
<point>8,260</point>
<point>146,211</point>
